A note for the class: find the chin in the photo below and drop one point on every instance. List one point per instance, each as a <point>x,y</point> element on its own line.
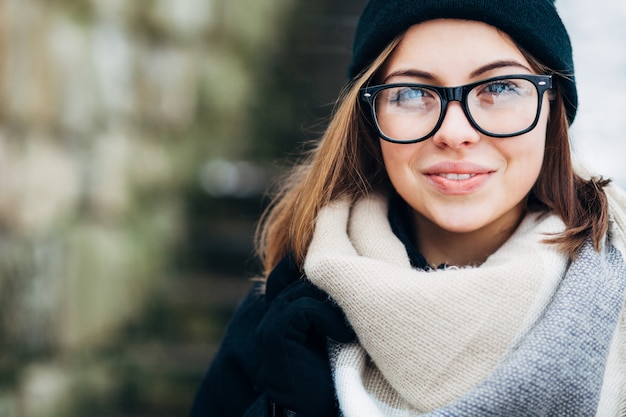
<point>459,229</point>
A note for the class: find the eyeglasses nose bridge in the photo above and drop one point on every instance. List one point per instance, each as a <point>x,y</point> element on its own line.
<point>450,94</point>
<point>453,94</point>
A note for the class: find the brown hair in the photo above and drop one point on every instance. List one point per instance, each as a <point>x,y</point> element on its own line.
<point>347,161</point>
<point>581,203</point>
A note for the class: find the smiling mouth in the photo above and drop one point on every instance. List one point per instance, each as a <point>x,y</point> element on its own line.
<point>455,183</point>
<point>455,177</point>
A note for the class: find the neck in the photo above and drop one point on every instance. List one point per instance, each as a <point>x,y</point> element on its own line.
<point>441,246</point>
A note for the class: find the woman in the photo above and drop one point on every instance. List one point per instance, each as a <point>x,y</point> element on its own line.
<point>438,254</point>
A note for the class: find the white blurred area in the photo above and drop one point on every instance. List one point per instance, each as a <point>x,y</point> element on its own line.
<point>598,33</point>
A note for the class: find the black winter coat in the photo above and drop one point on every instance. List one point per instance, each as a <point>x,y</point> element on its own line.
<point>273,359</point>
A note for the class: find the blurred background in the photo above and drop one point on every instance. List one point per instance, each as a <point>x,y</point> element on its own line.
<point>137,139</point>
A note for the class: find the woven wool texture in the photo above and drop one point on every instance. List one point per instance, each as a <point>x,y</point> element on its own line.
<point>434,341</point>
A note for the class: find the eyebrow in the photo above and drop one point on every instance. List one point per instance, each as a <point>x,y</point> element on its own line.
<point>476,73</point>
<point>410,73</point>
<point>496,65</point>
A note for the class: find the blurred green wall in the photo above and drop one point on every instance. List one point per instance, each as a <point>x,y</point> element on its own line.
<point>136,141</point>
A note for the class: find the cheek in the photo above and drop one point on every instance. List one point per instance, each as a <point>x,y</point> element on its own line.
<point>399,158</point>
<point>526,160</point>
<point>524,173</point>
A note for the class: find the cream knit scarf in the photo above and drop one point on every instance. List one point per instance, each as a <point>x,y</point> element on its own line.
<point>526,333</point>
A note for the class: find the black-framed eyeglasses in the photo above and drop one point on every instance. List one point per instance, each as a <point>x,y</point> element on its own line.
<point>499,107</point>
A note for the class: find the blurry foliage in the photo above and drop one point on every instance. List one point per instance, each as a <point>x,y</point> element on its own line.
<point>119,267</point>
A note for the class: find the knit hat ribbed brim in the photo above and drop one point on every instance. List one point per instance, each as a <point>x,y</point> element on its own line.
<point>533,24</point>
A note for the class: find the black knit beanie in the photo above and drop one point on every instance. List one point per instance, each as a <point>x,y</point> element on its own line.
<point>533,24</point>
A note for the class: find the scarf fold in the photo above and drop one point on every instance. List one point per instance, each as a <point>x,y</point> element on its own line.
<point>523,334</point>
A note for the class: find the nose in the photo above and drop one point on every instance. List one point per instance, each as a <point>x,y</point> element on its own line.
<point>455,131</point>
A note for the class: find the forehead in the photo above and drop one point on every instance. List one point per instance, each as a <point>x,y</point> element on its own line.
<point>452,49</point>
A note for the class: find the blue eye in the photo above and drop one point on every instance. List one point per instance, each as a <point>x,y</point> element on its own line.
<point>407,99</point>
<point>499,93</point>
<point>407,94</point>
<point>501,87</point>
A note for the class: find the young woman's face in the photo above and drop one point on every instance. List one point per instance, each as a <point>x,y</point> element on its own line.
<point>460,180</point>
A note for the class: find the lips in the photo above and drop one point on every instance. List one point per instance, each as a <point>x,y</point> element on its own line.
<point>457,178</point>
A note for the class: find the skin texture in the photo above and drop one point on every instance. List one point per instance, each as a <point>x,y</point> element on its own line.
<point>462,221</point>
